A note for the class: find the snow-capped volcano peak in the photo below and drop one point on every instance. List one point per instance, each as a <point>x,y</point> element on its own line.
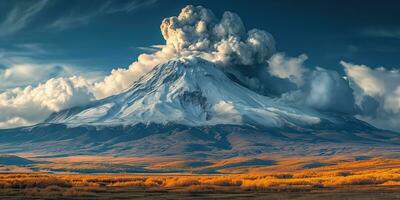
<point>188,91</point>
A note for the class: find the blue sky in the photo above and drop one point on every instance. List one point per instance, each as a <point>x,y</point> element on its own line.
<point>101,35</point>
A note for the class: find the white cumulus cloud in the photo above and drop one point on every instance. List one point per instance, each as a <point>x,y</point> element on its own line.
<point>378,94</point>
<point>29,105</point>
<point>121,79</point>
<point>288,67</point>
<point>226,112</point>
<point>318,88</point>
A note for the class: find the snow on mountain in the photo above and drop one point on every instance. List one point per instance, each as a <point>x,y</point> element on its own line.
<point>189,91</point>
<point>189,107</point>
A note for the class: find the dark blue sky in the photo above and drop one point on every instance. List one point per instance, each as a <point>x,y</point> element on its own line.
<point>101,35</point>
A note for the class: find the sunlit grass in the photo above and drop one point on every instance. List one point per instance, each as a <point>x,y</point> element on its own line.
<point>382,173</point>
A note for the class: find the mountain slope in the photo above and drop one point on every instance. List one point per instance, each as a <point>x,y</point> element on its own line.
<point>217,141</point>
<point>190,92</point>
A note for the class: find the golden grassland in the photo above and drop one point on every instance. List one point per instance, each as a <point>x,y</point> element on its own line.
<point>381,173</point>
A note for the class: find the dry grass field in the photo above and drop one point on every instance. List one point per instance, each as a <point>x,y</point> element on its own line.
<point>358,179</point>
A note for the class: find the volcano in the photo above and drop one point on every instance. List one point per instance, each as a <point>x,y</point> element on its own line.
<point>189,106</point>
<point>191,92</point>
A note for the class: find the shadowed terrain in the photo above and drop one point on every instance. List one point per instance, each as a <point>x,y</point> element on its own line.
<point>220,141</point>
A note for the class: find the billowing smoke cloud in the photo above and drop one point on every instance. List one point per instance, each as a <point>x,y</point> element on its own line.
<point>377,94</point>
<point>196,30</point>
<point>22,106</point>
